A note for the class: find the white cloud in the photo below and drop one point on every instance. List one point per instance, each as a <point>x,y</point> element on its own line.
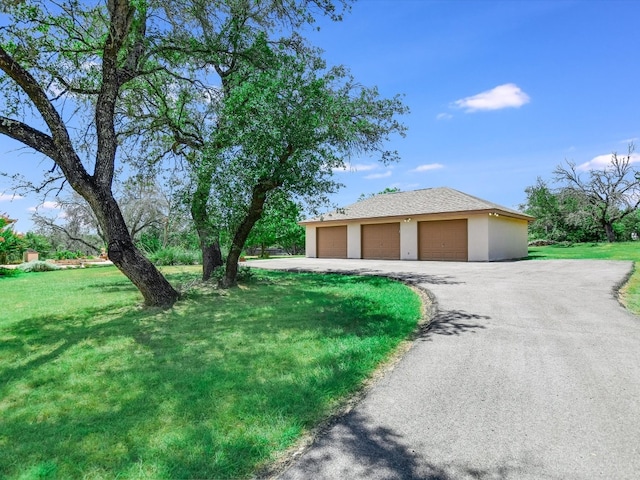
<point>8,198</point>
<point>427,167</point>
<point>48,205</point>
<point>601,162</point>
<point>404,186</point>
<point>357,167</point>
<point>444,116</point>
<point>508,95</point>
<point>373,176</point>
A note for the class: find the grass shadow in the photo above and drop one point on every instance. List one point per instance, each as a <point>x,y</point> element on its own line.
<point>405,277</point>
<point>206,390</point>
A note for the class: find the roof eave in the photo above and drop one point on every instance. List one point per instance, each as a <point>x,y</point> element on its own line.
<point>498,211</point>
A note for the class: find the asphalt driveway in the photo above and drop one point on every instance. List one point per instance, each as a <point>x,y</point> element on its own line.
<point>529,370</point>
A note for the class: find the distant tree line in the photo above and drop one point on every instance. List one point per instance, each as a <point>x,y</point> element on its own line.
<point>158,219</point>
<point>587,206</point>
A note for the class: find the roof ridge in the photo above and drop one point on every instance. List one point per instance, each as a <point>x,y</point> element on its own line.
<point>426,201</point>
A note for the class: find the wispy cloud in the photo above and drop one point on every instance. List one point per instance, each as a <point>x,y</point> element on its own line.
<point>405,186</point>
<point>444,116</point>
<point>48,205</point>
<point>4,197</point>
<point>427,167</point>
<point>373,176</point>
<point>601,162</point>
<point>356,167</point>
<point>508,95</point>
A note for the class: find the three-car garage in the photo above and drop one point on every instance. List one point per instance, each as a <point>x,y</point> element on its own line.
<point>439,224</point>
<point>444,240</point>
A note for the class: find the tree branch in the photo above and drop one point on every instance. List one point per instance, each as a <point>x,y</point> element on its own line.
<point>29,136</point>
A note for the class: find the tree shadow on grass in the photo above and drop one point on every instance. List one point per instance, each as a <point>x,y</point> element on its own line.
<point>115,391</point>
<point>411,278</point>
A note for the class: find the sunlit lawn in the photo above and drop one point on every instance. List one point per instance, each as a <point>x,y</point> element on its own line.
<point>630,293</point>
<point>607,251</point>
<point>94,386</point>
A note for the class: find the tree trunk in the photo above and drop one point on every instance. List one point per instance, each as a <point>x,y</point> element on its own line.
<point>207,231</point>
<point>211,258</point>
<point>611,234</point>
<point>254,213</point>
<point>155,289</point>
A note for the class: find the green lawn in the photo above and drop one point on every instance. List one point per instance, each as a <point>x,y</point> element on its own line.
<point>94,386</point>
<point>630,293</point>
<point>606,251</point>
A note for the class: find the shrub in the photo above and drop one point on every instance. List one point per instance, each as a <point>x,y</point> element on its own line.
<point>38,266</point>
<point>149,242</point>
<point>175,256</point>
<point>67,255</point>
<point>9,272</point>
<point>244,273</point>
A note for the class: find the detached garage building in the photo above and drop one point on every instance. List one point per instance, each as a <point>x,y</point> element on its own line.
<point>431,224</point>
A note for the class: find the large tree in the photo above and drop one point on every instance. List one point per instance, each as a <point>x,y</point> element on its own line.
<point>286,128</point>
<point>72,67</point>
<point>278,120</point>
<point>561,214</point>
<point>87,55</point>
<point>221,48</point>
<point>611,193</point>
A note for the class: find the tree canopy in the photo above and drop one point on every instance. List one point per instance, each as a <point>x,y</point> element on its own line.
<point>587,204</point>
<point>229,86</point>
<point>610,193</point>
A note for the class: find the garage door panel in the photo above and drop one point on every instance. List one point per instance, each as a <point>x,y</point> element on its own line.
<point>381,241</point>
<point>331,242</point>
<point>444,240</point>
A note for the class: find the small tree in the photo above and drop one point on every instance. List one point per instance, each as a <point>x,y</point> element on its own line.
<point>11,243</point>
<point>39,243</point>
<point>611,193</point>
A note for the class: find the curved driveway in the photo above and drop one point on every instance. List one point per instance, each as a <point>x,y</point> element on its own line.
<point>529,370</point>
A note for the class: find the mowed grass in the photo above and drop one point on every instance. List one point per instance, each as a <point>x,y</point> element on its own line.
<point>630,292</point>
<point>605,251</point>
<point>94,386</point>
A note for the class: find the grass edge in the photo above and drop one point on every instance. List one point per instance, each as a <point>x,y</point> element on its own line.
<point>286,458</point>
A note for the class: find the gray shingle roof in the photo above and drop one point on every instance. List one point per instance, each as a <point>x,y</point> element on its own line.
<point>415,202</point>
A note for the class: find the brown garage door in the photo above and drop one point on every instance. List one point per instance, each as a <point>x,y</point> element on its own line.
<point>381,241</point>
<point>331,242</point>
<point>443,240</point>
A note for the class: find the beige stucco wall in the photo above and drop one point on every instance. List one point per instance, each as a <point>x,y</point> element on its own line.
<point>478,238</point>
<point>507,238</point>
<point>310,241</point>
<point>354,243</point>
<point>409,240</point>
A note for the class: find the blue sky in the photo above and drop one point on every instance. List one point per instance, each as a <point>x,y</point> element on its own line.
<point>500,92</point>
